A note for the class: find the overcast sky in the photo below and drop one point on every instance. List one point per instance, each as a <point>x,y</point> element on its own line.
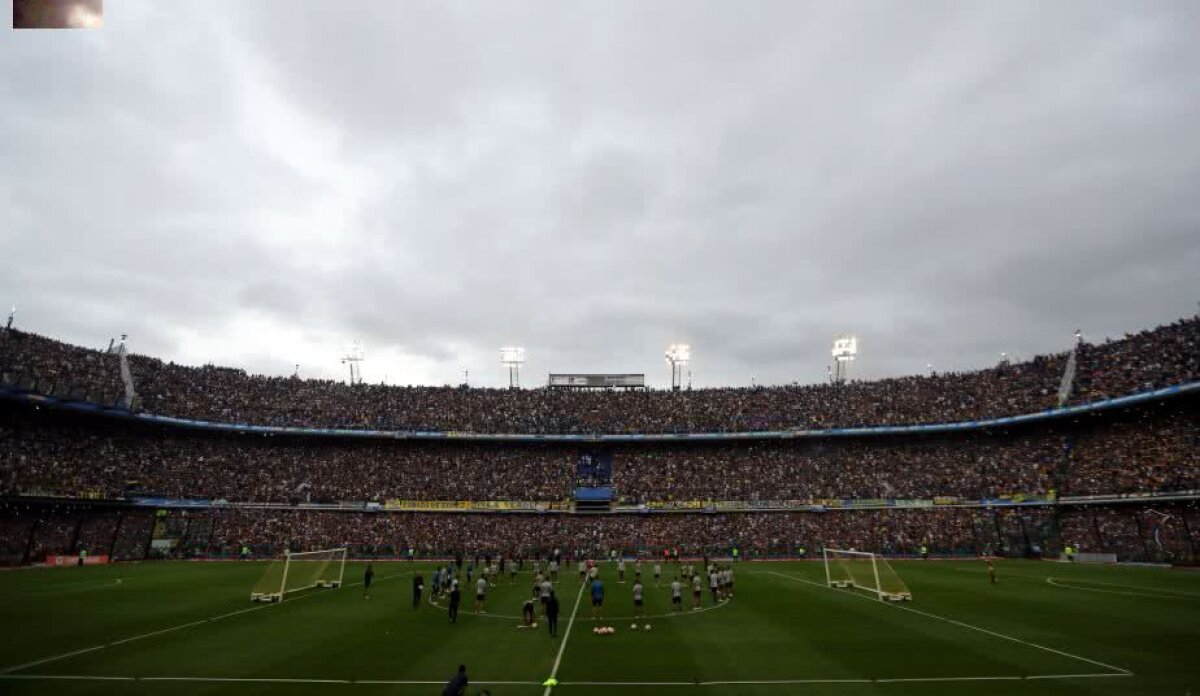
<point>260,183</point>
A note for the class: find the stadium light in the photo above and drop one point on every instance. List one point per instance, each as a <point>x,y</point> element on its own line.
<point>678,356</point>
<point>844,351</point>
<point>512,357</point>
<point>354,355</point>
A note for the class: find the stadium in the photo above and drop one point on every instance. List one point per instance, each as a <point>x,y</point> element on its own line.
<point>544,348</point>
<point>1073,475</point>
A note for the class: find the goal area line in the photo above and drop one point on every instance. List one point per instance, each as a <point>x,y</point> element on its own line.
<point>1114,670</point>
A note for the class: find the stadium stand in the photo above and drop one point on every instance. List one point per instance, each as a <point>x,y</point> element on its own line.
<point>1158,358</point>
<point>1121,481</point>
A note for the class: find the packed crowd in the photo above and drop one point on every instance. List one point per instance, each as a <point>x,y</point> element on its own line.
<point>1133,532</point>
<point>1149,449</point>
<point>47,366</point>
<point>31,531</point>
<point>116,461</point>
<point>973,467</point>
<point>1139,362</point>
<point>951,530</point>
<point>1167,355</point>
<point>1148,452</point>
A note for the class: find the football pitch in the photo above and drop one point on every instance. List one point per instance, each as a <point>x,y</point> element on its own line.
<point>189,628</point>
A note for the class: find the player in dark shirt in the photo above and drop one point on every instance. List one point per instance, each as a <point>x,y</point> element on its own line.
<point>418,588</point>
<point>457,686</point>
<point>368,576</point>
<point>552,613</point>
<point>527,614</point>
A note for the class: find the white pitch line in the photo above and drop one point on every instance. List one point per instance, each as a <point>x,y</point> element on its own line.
<point>267,680</point>
<point>53,590</point>
<point>156,633</point>
<point>777,682</point>
<point>566,635</point>
<point>67,677</point>
<point>969,626</point>
<point>477,682</point>
<point>43,661</point>
<point>946,679</point>
<point>55,658</point>
<point>784,682</point>
<point>1077,676</point>
<point>1153,594</point>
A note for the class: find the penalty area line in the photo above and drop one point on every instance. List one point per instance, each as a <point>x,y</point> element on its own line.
<point>972,627</point>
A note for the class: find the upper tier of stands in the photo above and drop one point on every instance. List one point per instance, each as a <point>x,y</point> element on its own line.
<point>1161,357</point>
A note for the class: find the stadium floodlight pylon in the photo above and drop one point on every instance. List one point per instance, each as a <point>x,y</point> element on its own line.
<point>864,571</point>
<point>300,571</point>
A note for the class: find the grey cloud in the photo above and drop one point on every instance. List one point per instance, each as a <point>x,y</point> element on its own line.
<point>949,181</point>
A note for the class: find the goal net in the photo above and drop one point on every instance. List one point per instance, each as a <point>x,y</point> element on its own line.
<point>864,571</point>
<point>300,571</point>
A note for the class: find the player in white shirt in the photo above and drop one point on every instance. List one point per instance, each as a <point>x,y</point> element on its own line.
<point>713,585</point>
<point>637,599</point>
<point>657,573</point>
<point>621,571</point>
<point>676,595</point>
<point>582,571</point>
<point>480,595</point>
<point>547,587</point>
<point>697,589</point>
<point>554,570</point>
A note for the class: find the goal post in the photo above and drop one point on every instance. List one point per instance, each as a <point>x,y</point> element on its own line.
<point>300,571</point>
<point>865,571</point>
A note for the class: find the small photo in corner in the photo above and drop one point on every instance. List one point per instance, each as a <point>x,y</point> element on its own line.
<point>58,14</point>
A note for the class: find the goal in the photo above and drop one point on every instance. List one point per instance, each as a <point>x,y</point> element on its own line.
<point>864,571</point>
<point>300,571</point>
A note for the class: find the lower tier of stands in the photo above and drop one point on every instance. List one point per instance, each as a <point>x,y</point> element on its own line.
<point>30,531</point>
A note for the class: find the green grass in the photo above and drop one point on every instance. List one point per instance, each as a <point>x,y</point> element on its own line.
<point>783,624</point>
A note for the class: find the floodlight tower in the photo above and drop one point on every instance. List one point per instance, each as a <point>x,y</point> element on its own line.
<point>513,357</point>
<point>845,349</point>
<point>353,357</point>
<point>679,355</point>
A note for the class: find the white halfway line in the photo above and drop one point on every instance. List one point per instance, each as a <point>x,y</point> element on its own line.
<point>563,646</point>
<point>17,668</point>
<point>971,627</point>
